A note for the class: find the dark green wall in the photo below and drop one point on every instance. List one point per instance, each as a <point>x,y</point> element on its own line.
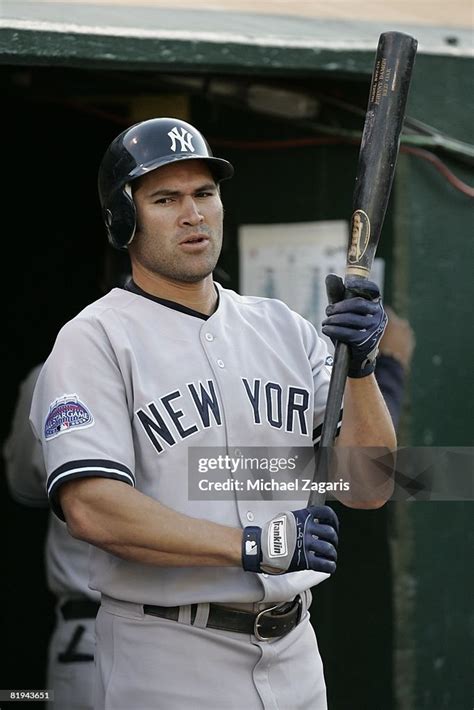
<point>434,228</point>
<point>435,224</point>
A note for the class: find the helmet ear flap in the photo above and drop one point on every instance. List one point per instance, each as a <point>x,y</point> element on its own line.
<point>119,215</point>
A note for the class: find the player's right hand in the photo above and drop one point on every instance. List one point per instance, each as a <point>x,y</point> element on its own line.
<point>293,541</point>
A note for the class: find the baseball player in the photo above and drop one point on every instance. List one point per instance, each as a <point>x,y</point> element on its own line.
<point>204,603</point>
<point>70,663</point>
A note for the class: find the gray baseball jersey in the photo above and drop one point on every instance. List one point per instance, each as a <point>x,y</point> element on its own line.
<point>155,378</point>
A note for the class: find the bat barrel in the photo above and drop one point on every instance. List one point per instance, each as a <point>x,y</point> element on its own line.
<point>388,95</point>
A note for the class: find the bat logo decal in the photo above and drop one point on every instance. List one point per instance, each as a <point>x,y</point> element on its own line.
<point>360,236</point>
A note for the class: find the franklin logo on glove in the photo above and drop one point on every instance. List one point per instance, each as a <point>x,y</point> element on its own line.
<point>293,541</point>
<point>277,538</point>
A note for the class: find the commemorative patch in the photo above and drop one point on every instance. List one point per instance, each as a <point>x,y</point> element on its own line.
<point>66,414</point>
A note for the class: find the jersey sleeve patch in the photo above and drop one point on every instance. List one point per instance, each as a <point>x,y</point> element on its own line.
<point>318,431</point>
<point>85,468</point>
<point>65,414</point>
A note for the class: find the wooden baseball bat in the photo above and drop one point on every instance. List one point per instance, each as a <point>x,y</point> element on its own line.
<point>391,76</point>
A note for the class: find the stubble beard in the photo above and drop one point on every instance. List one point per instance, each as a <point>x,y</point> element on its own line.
<point>185,268</point>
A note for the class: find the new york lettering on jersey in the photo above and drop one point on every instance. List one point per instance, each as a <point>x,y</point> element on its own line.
<point>278,408</point>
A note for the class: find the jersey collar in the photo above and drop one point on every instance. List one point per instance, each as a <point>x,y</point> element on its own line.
<point>133,288</point>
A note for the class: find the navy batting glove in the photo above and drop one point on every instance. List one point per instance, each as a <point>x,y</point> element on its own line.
<point>293,541</point>
<point>356,317</point>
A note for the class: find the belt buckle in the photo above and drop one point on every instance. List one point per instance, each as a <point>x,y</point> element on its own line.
<point>257,622</point>
<point>298,601</point>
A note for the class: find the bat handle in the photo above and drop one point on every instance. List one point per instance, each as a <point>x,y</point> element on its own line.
<point>331,420</point>
<point>336,389</point>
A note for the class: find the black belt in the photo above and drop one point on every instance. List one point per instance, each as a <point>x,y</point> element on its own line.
<point>270,623</point>
<point>79,609</point>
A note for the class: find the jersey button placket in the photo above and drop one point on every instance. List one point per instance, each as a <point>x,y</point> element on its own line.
<point>210,338</point>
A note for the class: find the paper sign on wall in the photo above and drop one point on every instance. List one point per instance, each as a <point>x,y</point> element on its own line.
<point>290,262</point>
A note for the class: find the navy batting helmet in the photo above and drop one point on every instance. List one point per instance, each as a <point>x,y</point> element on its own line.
<point>136,151</point>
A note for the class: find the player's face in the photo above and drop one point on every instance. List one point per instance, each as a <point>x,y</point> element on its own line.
<point>179,221</point>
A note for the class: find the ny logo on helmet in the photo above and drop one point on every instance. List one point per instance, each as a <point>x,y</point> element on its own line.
<point>185,140</point>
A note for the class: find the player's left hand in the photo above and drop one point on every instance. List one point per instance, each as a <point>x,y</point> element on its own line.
<point>293,541</point>
<point>359,321</point>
